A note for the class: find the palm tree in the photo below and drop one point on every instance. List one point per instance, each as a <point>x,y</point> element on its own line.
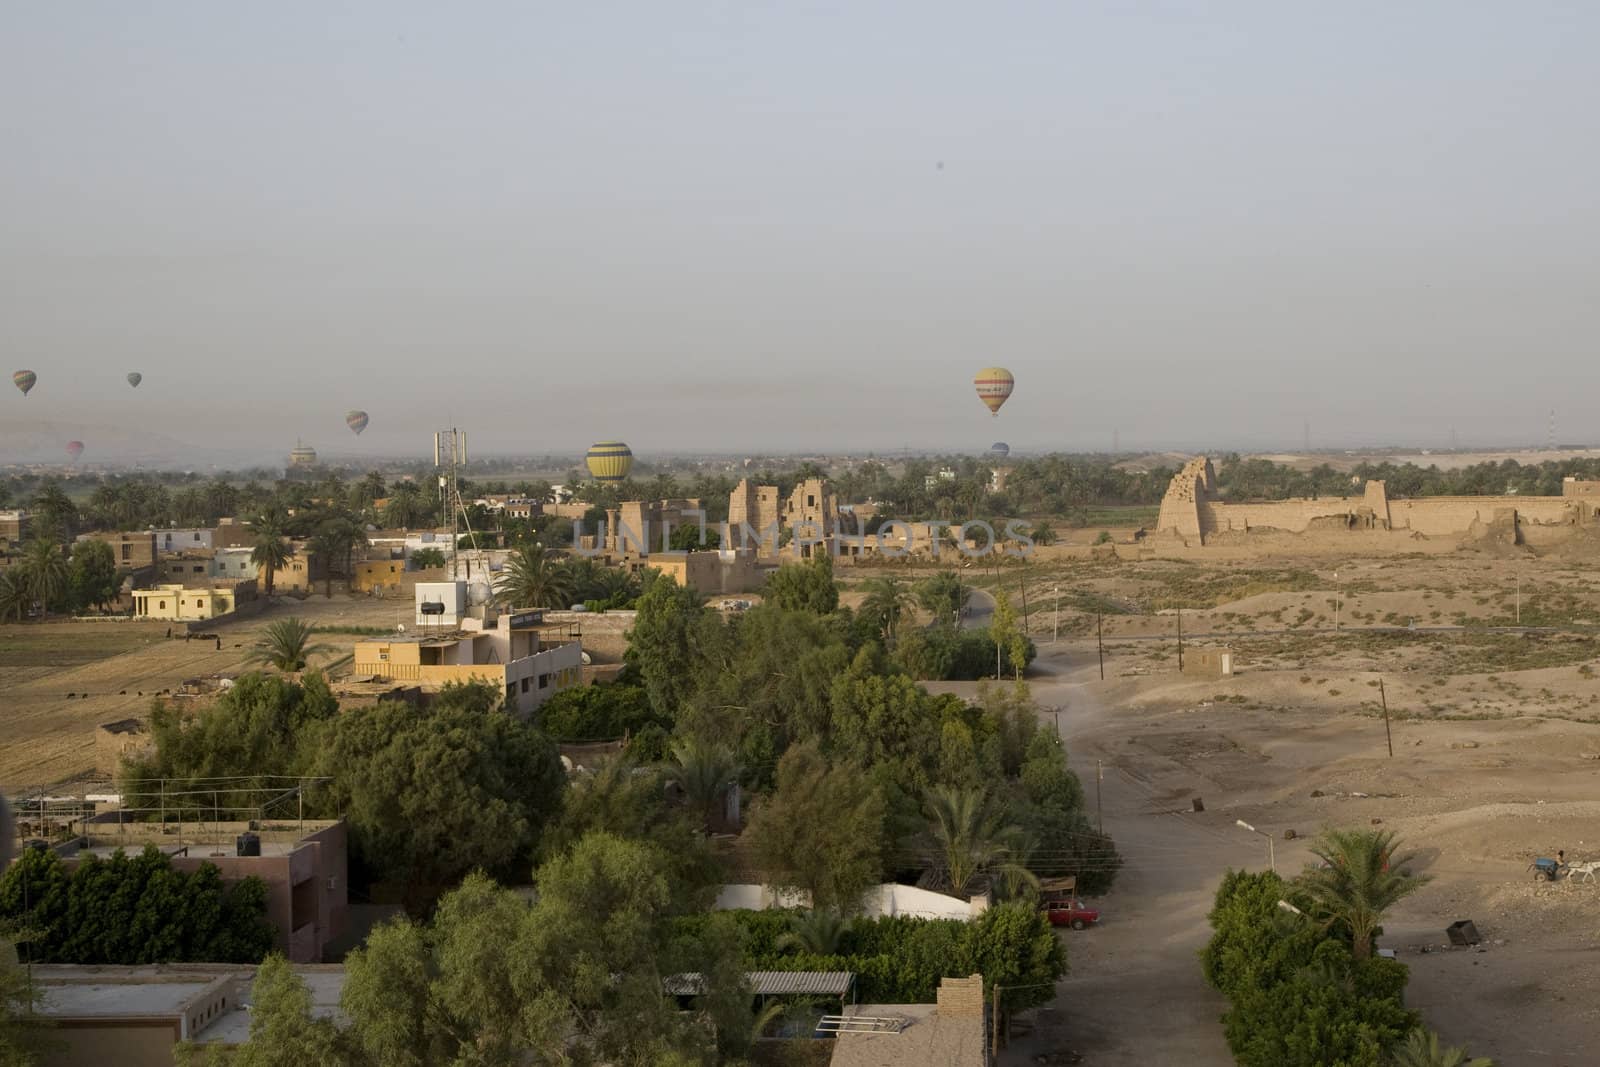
<point>336,538</point>
<point>887,600</point>
<point>286,645</point>
<point>1360,880</point>
<point>15,600</point>
<point>45,569</point>
<point>704,772</point>
<point>271,552</point>
<point>532,579</point>
<point>406,507</point>
<point>1422,1049</point>
<point>966,838</point>
<point>54,510</point>
<point>817,933</point>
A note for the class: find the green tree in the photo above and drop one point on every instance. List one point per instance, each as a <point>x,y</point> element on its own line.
<point>704,771</point>
<point>966,837</point>
<point>335,541</point>
<point>1043,534</point>
<point>47,573</point>
<point>283,1032</point>
<point>664,644</point>
<point>531,578</point>
<point>1362,878</point>
<point>603,711</point>
<point>821,830</point>
<point>92,579</point>
<point>818,932</point>
<point>1005,632</point>
<point>943,596</point>
<point>269,553</point>
<point>1014,947</point>
<point>687,538</point>
<point>427,558</point>
<point>431,794</point>
<point>54,514</point>
<point>886,601</point>
<point>804,586</point>
<point>1422,1048</point>
<point>407,507</point>
<point>286,645</point>
<point>22,1036</point>
<point>15,599</point>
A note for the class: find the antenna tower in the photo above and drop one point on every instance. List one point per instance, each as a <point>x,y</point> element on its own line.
<point>449,455</point>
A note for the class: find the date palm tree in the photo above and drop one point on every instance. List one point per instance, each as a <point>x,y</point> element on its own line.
<point>406,507</point>
<point>46,571</point>
<point>887,600</point>
<point>1360,879</point>
<point>817,933</point>
<point>1422,1049</point>
<point>270,552</point>
<point>704,772</point>
<point>15,599</point>
<point>531,578</point>
<point>286,645</point>
<point>967,838</point>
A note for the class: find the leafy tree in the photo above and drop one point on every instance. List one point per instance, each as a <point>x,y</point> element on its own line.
<point>269,554</point>
<point>943,596</point>
<point>283,1032</point>
<point>966,838</point>
<point>804,586</point>
<point>1254,945</point>
<point>600,712</point>
<point>687,538</point>
<point>887,600</point>
<point>1014,645</point>
<point>1014,947</point>
<point>46,571</point>
<point>427,558</point>
<point>821,830</point>
<point>286,645</point>
<point>533,579</point>
<point>21,1030</point>
<point>434,793</point>
<point>663,645</point>
<point>1423,1049</point>
<point>92,578</point>
<point>1362,878</point>
<point>129,910</point>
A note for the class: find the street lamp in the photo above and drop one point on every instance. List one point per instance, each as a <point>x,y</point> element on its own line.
<point>1272,848</point>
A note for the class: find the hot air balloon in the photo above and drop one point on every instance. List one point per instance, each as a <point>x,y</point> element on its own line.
<point>135,378</point>
<point>1000,450</point>
<point>74,450</point>
<point>356,420</point>
<point>994,384</point>
<point>609,461</point>
<point>24,380</point>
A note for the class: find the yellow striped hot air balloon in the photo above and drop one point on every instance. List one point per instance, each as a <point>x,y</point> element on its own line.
<point>994,385</point>
<point>609,461</point>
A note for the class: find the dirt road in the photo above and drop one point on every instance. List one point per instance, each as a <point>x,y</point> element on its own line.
<point>1135,994</point>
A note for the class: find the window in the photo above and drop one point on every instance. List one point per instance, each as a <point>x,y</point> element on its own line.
<point>524,685</point>
<point>162,605</point>
<point>199,569</point>
<point>544,681</point>
<point>127,551</point>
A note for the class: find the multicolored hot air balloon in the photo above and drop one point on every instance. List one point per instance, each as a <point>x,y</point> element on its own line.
<point>74,450</point>
<point>356,420</point>
<point>994,385</point>
<point>609,461</point>
<point>24,380</point>
<point>1000,450</point>
<point>135,378</point>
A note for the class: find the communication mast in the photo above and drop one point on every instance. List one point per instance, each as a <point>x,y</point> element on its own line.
<point>449,455</point>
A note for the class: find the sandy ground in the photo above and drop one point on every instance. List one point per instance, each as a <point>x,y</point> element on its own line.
<point>1476,800</point>
<point>115,669</point>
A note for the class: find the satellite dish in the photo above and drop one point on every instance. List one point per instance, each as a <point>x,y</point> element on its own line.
<point>400,629</point>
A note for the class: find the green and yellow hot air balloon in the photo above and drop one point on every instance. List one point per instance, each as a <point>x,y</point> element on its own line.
<point>609,461</point>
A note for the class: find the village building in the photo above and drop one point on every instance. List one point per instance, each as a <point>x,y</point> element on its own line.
<point>193,601</point>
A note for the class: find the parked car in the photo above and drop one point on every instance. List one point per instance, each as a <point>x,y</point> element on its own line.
<point>1074,913</point>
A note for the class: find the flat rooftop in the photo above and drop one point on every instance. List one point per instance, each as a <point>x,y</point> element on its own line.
<point>92,1000</point>
<point>928,1040</point>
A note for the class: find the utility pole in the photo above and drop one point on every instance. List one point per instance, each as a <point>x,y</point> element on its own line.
<point>994,1028</point>
<point>1099,811</point>
<point>1180,640</point>
<point>1057,711</point>
<point>1386,734</point>
<point>1055,634</point>
<point>1272,849</point>
<point>1519,596</point>
<point>1100,644</point>
<point>1022,583</point>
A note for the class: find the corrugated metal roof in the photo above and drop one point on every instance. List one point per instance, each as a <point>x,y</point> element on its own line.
<point>769,983</point>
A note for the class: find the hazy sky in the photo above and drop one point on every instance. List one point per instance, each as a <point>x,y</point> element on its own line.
<point>727,226</point>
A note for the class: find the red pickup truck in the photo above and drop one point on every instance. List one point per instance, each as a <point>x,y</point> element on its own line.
<point>1074,913</point>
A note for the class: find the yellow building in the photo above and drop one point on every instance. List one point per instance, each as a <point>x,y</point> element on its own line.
<point>375,574</point>
<point>505,653</point>
<point>192,602</point>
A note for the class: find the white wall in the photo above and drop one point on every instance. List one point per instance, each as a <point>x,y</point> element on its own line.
<point>882,900</point>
